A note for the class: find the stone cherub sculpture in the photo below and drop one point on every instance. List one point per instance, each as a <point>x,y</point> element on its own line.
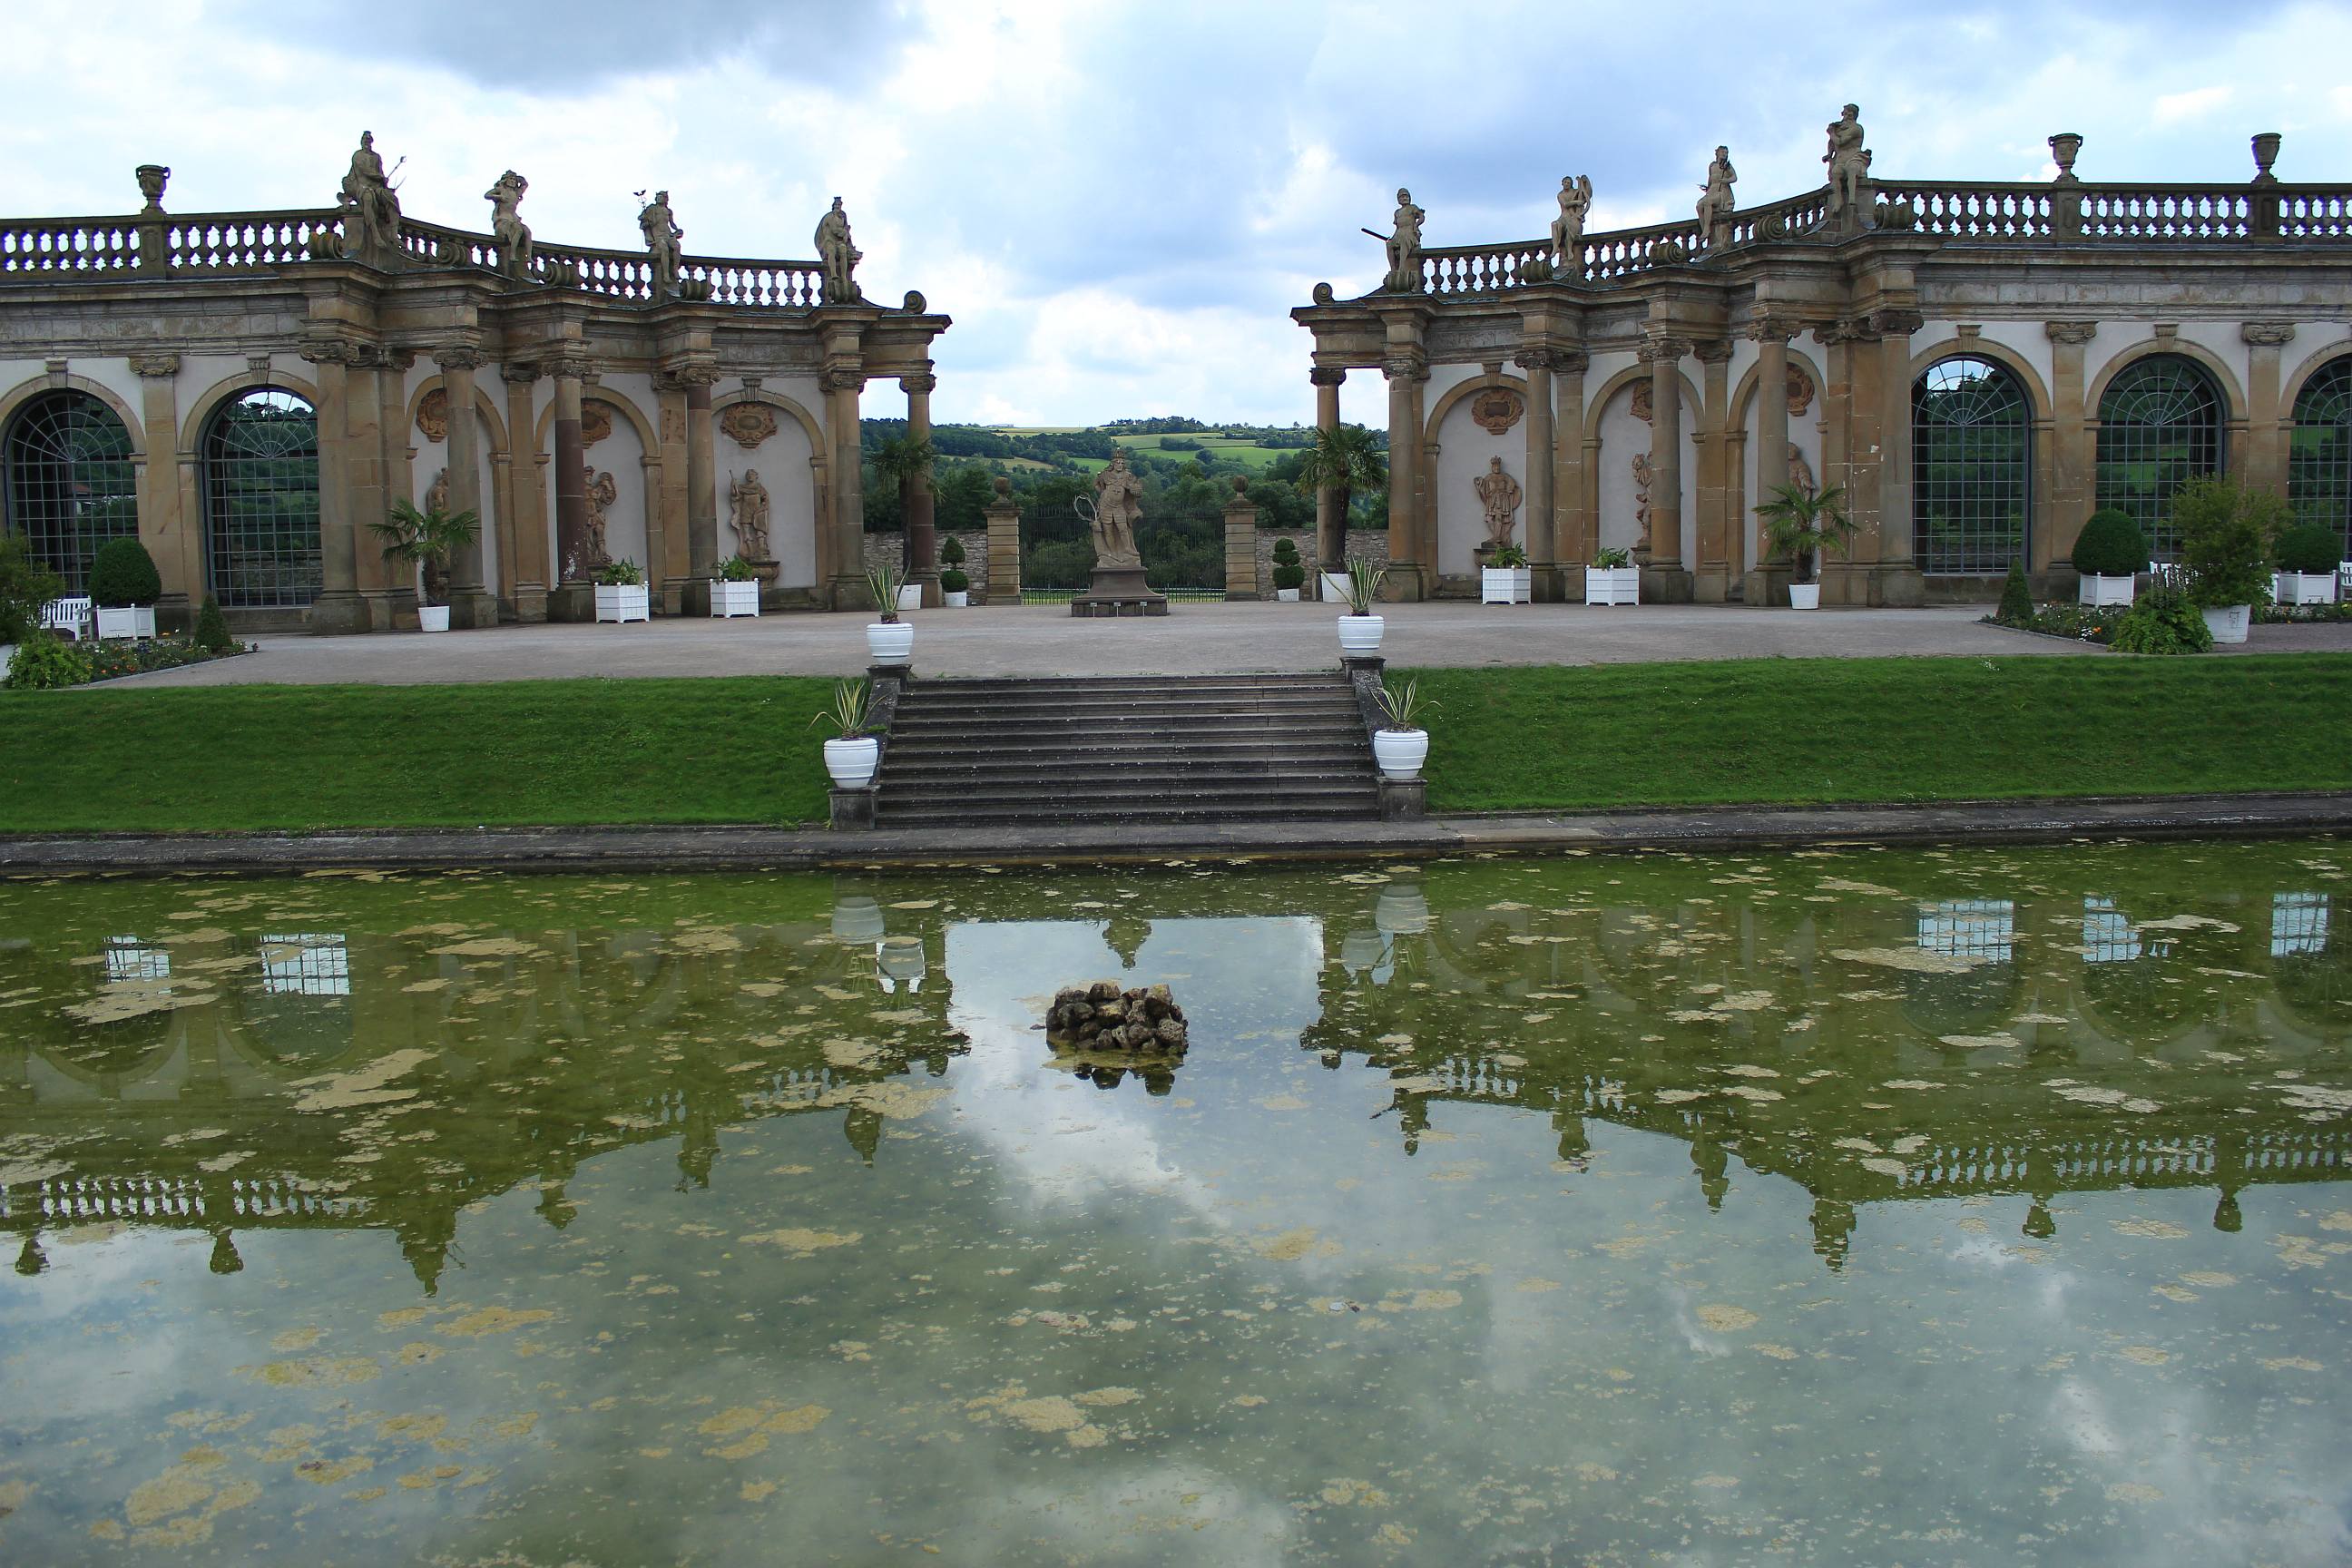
<point>506,223</point>
<point>1404,246</point>
<point>1568,229</point>
<point>603,491</point>
<point>659,225</point>
<point>1118,501</point>
<point>746,500</point>
<point>838,256</point>
<point>374,205</point>
<point>1849,163</point>
<point>1498,493</point>
<point>1715,199</point>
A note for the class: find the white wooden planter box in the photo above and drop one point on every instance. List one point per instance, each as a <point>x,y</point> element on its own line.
<point>1333,586</point>
<point>2228,624</point>
<point>729,600</point>
<point>2096,591</point>
<point>1804,596</point>
<point>2304,587</point>
<point>622,601</point>
<point>1612,584</point>
<point>1506,584</point>
<point>126,620</point>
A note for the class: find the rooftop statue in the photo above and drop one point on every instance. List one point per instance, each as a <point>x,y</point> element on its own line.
<point>1568,229</point>
<point>839,257</point>
<point>374,207</point>
<point>1404,246</point>
<point>506,223</point>
<point>1849,163</point>
<point>1714,199</point>
<point>662,234</point>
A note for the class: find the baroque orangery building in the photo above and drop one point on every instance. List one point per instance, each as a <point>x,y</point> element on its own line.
<point>247,392</point>
<point>1979,365</point>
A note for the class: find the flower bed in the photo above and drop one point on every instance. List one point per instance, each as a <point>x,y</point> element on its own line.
<point>62,663</point>
<point>2075,623</point>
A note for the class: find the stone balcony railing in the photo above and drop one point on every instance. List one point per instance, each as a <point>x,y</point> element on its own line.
<point>1957,212</point>
<point>225,245</point>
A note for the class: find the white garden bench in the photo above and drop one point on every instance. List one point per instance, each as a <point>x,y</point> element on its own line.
<point>69,616</point>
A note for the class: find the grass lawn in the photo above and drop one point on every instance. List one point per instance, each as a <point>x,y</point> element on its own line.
<point>1814,729</point>
<point>548,752</point>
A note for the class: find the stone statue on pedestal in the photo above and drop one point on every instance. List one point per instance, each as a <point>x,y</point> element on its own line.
<point>1404,246</point>
<point>659,225</point>
<point>1118,501</point>
<point>506,223</point>
<point>1568,229</point>
<point>375,208</point>
<point>1849,163</point>
<point>1715,200</point>
<point>1642,474</point>
<point>603,491</point>
<point>747,499</point>
<point>838,256</point>
<point>1498,493</point>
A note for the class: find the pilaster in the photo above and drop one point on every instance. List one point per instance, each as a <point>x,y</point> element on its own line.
<point>1542,495</point>
<point>523,546</point>
<point>2073,442</point>
<point>2266,426</point>
<point>1712,577</point>
<point>1411,573</point>
<point>1762,585</point>
<point>338,608</point>
<point>163,526</point>
<point>1576,532</point>
<point>471,602</point>
<point>843,378</point>
<point>1665,579</point>
<point>573,597</point>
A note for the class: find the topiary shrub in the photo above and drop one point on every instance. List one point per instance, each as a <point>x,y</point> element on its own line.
<point>953,580</point>
<point>123,574</point>
<point>2162,620</point>
<point>1285,552</point>
<point>951,550</point>
<point>45,661</point>
<point>2311,547</point>
<point>2016,597</point>
<point>212,628</point>
<point>2111,545</point>
<point>2225,533</point>
<point>1289,574</point>
<point>25,586</point>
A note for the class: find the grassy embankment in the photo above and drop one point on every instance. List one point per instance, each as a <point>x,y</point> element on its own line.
<point>740,750</point>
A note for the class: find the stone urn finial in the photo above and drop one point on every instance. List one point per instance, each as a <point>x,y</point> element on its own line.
<point>1241,486</point>
<point>2064,147</point>
<point>1003,487</point>
<point>151,178</point>
<point>2266,151</point>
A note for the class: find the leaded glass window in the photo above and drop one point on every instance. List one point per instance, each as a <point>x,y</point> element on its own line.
<point>261,501</point>
<point>2319,451</point>
<point>1971,469</point>
<point>2159,427</point>
<point>71,482</point>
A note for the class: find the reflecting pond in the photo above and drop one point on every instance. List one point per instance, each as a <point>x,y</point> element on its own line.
<point>1835,1206</point>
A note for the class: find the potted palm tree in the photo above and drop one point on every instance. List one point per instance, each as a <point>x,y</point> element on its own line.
<point>427,540</point>
<point>852,755</point>
<point>1344,459</point>
<point>1507,578</point>
<point>1804,525</point>
<point>124,586</point>
<point>621,594</point>
<point>2109,555</point>
<point>889,640</point>
<point>1400,745</point>
<point>1612,578</point>
<point>2225,534</point>
<point>736,590</point>
<point>1359,629</point>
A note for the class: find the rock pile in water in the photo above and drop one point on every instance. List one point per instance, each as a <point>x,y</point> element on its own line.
<point>1104,1017</point>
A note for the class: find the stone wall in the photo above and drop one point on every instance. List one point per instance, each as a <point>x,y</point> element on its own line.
<point>891,549</point>
<point>1364,544</point>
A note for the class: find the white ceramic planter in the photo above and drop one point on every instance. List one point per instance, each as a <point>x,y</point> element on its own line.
<point>623,602</point>
<point>126,620</point>
<point>1401,911</point>
<point>729,600</point>
<point>432,617</point>
<point>858,919</point>
<point>2304,587</point>
<point>1359,636</point>
<point>1804,596</point>
<point>2094,590</point>
<point>900,959</point>
<point>2228,624</point>
<point>1399,753</point>
<point>1285,596</point>
<point>956,600</point>
<point>910,596</point>
<point>851,761</point>
<point>1506,584</point>
<point>1612,584</point>
<point>890,642</point>
<point>1333,586</point>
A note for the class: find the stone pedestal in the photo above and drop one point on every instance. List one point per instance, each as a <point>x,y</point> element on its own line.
<point>331,614</point>
<point>1767,586</point>
<point>1665,583</point>
<point>1118,591</point>
<point>473,609</point>
<point>571,601</point>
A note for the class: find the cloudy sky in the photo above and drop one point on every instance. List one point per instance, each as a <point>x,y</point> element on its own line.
<point>1119,203</point>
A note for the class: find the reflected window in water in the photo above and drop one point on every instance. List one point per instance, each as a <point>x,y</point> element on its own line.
<point>2298,924</point>
<point>2108,935</point>
<point>128,958</point>
<point>306,964</point>
<point>1981,929</point>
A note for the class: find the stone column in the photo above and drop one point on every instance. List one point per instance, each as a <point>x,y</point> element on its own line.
<point>338,608</point>
<point>1004,516</point>
<point>921,512</point>
<point>1241,543</point>
<point>163,527</point>
<point>2073,453</point>
<point>1330,527</point>
<point>471,603</point>
<point>842,379</point>
<point>1541,494</point>
<point>1575,534</point>
<point>1895,579</point>
<point>525,503</point>
<point>1711,582</point>
<point>1768,579</point>
<point>1665,579</point>
<point>2266,432</point>
<point>701,489</point>
<point>574,595</point>
<point>1409,569</point>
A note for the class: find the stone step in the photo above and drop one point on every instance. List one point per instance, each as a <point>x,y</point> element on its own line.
<point>1162,728</point>
<point>1333,760</point>
<point>957,813</point>
<point>1132,703</point>
<point>1133,789</point>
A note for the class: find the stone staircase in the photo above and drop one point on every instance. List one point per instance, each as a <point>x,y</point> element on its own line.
<point>1108,750</point>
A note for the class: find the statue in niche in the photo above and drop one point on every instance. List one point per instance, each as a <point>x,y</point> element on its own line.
<point>1404,246</point>
<point>1568,229</point>
<point>1499,494</point>
<point>436,494</point>
<point>838,256</point>
<point>374,205</point>
<point>747,500</point>
<point>1801,472</point>
<point>1118,501</point>
<point>603,491</point>
<point>659,225</point>
<point>1641,476</point>
<point>506,223</point>
<point>1849,163</point>
<point>1715,199</point>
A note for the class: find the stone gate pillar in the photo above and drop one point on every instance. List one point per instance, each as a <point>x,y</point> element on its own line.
<point>1241,543</point>
<point>1004,516</point>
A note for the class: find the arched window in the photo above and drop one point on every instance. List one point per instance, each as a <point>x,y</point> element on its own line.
<point>261,501</point>
<point>2319,452</point>
<point>2159,427</point>
<point>71,483</point>
<point>1971,467</point>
